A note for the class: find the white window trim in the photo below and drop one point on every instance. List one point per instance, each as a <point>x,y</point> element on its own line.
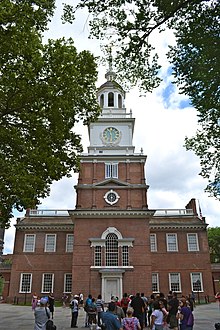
<point>197,242</point>
<point>21,278</point>
<point>180,286</point>
<point>42,285</point>
<point>69,235</point>
<point>173,234</point>
<point>25,241</point>
<point>158,284</point>
<point>200,278</point>
<point>55,243</point>
<point>94,263</point>
<point>65,275</point>
<point>155,242</point>
<point>112,168</point>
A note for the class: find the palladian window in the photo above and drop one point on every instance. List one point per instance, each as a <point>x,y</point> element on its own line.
<point>111,249</point>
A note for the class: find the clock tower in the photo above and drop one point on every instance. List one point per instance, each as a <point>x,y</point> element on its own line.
<point>111,252</point>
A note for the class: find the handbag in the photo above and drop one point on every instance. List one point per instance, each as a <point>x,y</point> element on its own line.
<point>49,324</point>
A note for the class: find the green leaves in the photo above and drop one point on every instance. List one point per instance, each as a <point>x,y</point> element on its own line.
<point>44,91</point>
<point>214,244</point>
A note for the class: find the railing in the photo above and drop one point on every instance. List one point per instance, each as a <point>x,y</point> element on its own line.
<point>172,212</point>
<point>63,213</point>
<point>47,213</point>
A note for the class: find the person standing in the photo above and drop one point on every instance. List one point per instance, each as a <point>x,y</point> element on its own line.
<point>40,315</point>
<point>185,315</point>
<point>145,308</point>
<point>34,301</point>
<point>157,316</point>
<point>75,310</point>
<point>125,302</point>
<point>86,307</point>
<point>64,299</point>
<point>138,305</point>
<point>51,303</point>
<point>110,319</point>
<point>130,322</point>
<point>172,307</point>
<point>100,308</point>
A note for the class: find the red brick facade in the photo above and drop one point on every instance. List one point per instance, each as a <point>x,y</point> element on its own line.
<point>119,244</point>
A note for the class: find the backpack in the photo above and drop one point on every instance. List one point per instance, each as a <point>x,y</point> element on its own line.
<point>129,325</point>
<point>50,325</point>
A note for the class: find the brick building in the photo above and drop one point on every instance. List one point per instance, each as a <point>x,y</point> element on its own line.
<point>112,242</point>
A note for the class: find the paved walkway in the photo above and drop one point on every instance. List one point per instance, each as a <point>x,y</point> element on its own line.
<point>21,317</point>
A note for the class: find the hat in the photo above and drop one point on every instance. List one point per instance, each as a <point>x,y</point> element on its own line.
<point>43,301</point>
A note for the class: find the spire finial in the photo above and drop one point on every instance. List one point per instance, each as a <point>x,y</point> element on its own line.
<point>110,75</point>
<point>110,58</point>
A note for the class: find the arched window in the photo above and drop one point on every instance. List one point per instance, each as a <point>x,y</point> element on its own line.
<point>119,101</point>
<point>110,99</point>
<point>111,250</point>
<point>102,101</point>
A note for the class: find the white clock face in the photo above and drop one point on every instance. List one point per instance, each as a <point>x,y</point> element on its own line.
<point>111,197</point>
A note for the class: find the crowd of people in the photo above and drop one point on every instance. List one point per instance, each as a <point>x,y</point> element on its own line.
<point>131,312</point>
<point>135,312</point>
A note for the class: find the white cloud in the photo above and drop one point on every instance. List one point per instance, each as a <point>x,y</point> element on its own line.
<point>171,171</point>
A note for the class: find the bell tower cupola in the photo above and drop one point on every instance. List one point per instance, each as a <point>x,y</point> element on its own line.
<point>112,133</point>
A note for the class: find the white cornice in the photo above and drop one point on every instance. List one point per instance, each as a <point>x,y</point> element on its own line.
<point>111,213</point>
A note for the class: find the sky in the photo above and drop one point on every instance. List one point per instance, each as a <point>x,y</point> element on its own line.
<point>163,119</point>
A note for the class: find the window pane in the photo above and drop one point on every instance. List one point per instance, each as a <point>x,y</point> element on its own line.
<point>50,244</point>
<point>47,283</point>
<point>69,243</point>
<point>155,282</point>
<point>175,282</point>
<point>98,256</point>
<point>197,282</point>
<point>115,171</point>
<point>68,283</point>
<point>29,243</point>
<point>125,256</point>
<point>25,284</point>
<point>111,170</point>
<point>171,242</point>
<point>111,250</point>
<point>192,242</point>
<point>153,242</point>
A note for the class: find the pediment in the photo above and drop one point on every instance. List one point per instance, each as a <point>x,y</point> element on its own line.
<point>111,182</point>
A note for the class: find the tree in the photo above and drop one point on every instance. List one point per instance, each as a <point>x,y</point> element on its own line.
<point>45,89</point>
<point>214,243</point>
<point>195,58</point>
